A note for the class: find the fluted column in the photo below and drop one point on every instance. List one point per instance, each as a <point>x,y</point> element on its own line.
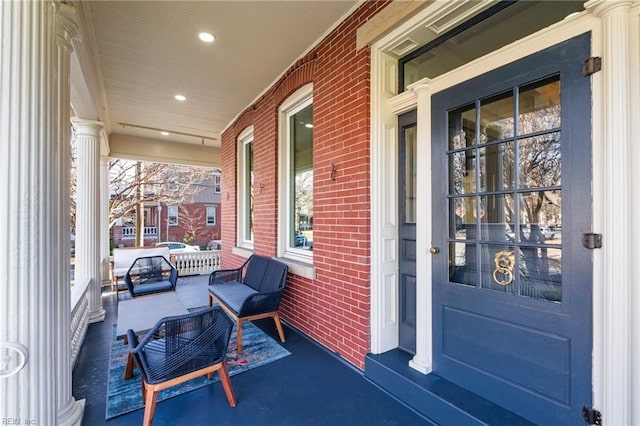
<point>69,411</point>
<point>104,218</point>
<point>423,359</point>
<point>88,251</point>
<point>31,259</point>
<point>614,395</point>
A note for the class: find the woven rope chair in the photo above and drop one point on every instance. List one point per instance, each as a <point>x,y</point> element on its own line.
<point>151,274</point>
<point>181,348</point>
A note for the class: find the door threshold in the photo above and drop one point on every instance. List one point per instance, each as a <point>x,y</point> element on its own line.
<point>438,400</point>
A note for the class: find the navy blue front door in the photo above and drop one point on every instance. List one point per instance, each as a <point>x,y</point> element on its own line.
<point>511,161</point>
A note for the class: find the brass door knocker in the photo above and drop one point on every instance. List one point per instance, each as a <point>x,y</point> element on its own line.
<point>505,262</point>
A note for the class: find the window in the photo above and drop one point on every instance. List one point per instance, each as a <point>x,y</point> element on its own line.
<point>296,176</point>
<point>245,188</point>
<point>217,187</point>
<point>172,215</point>
<point>211,215</point>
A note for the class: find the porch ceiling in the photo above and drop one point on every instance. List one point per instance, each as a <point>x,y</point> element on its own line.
<point>133,57</point>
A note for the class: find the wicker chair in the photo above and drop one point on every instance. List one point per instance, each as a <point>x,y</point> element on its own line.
<point>151,274</point>
<point>181,348</point>
<point>253,296</point>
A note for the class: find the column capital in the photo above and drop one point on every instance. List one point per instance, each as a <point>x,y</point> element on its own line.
<point>600,8</point>
<point>88,127</point>
<point>421,88</point>
<point>66,23</point>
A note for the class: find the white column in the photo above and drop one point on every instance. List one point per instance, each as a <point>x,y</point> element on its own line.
<point>613,396</point>
<point>423,359</point>
<point>104,218</point>
<point>32,88</point>
<point>69,411</point>
<point>634,95</point>
<point>88,252</point>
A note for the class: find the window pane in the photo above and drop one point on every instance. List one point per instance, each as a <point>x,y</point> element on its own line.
<point>463,212</point>
<point>497,167</point>
<point>541,273</point>
<point>540,161</point>
<point>496,118</point>
<point>211,215</point>
<point>462,127</point>
<point>410,172</point>
<point>462,263</point>
<point>540,217</point>
<point>496,219</point>
<point>301,142</point>
<point>539,106</point>
<point>462,168</point>
<point>248,191</point>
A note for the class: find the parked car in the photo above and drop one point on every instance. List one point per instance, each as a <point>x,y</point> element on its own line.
<point>175,247</point>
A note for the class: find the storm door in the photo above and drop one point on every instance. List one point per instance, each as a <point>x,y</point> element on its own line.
<point>511,160</point>
<point>407,145</point>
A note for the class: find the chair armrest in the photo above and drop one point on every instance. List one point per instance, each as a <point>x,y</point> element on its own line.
<point>261,303</point>
<point>132,338</point>
<point>225,275</point>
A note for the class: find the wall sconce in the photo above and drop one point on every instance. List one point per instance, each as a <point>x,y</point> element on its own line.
<point>261,187</point>
<point>333,171</point>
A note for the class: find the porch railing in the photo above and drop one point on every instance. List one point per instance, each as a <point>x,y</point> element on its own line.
<point>79,316</point>
<point>196,263</point>
<point>129,232</point>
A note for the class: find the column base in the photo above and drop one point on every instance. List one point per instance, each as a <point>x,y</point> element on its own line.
<point>97,315</point>
<point>420,364</point>
<point>72,414</point>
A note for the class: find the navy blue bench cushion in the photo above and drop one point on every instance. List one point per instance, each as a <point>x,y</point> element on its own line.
<point>233,294</point>
<point>152,287</point>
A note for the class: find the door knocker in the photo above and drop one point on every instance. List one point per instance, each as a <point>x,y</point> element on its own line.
<point>505,262</point>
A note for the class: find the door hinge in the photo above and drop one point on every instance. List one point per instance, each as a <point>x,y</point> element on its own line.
<point>592,416</point>
<point>591,65</point>
<point>592,241</point>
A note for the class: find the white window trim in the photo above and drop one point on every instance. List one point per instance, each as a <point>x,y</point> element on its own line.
<point>245,137</point>
<point>206,215</point>
<point>177,216</point>
<point>300,99</point>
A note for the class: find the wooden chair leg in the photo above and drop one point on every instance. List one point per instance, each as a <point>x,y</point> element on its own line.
<point>226,384</point>
<point>239,335</point>
<point>149,406</point>
<point>128,370</point>
<point>276,319</point>
<point>210,300</point>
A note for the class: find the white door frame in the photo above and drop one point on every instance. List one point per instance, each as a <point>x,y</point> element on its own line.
<point>615,398</point>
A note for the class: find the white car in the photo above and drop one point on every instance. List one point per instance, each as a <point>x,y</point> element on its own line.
<point>175,247</point>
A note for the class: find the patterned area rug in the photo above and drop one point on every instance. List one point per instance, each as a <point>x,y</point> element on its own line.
<point>124,396</point>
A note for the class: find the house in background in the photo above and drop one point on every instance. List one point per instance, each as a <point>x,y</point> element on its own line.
<point>196,222</point>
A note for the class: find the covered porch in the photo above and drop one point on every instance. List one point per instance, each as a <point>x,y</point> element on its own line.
<point>312,386</point>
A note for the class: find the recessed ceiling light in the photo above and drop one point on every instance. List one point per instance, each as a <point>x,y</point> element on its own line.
<point>164,133</point>
<point>180,98</point>
<point>206,37</point>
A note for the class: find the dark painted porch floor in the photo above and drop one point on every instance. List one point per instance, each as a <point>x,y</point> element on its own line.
<point>310,387</point>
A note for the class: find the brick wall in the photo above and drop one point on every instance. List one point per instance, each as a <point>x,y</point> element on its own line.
<point>334,308</point>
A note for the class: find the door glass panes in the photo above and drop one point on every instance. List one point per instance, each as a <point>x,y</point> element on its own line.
<point>505,224</point>
<point>410,175</point>
<point>463,166</point>
<point>462,263</point>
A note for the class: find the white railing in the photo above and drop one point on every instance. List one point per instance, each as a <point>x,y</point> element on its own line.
<point>197,262</point>
<point>129,232</point>
<point>79,316</point>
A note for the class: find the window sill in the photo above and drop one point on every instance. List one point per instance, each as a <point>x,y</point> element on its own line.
<point>242,252</point>
<point>296,267</point>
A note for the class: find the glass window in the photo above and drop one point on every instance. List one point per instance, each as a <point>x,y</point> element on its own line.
<point>486,32</point>
<point>211,215</point>
<point>172,215</point>
<point>296,139</point>
<point>217,187</point>
<point>245,188</point>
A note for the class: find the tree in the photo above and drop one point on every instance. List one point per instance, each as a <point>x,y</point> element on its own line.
<point>132,186</point>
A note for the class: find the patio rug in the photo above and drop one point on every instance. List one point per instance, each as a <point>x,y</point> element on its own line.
<point>124,396</point>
